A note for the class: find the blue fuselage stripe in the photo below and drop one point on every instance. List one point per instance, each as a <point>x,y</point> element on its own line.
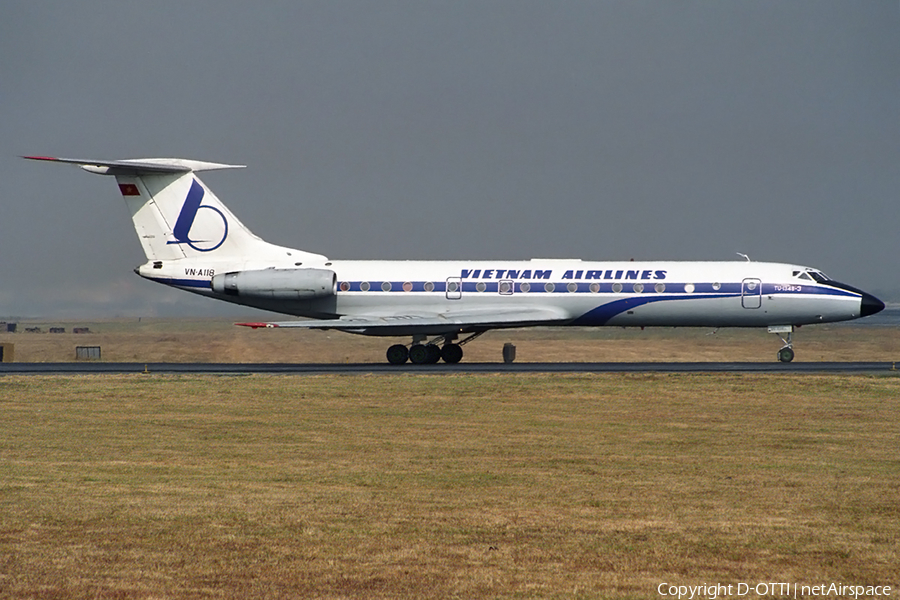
<point>191,283</point>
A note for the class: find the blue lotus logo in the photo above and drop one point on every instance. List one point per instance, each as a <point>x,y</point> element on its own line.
<point>187,218</point>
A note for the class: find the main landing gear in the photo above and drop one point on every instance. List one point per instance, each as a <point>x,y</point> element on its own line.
<point>429,352</point>
<point>786,354</point>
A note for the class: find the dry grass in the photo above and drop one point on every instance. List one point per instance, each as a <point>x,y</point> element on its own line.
<point>218,340</point>
<point>413,486</point>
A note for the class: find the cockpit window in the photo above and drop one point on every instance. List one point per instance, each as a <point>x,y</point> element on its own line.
<point>818,276</point>
<point>812,275</point>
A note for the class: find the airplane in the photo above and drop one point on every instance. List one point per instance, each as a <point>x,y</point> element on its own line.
<point>194,243</point>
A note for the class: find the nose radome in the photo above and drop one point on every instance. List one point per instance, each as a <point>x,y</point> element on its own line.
<point>870,305</point>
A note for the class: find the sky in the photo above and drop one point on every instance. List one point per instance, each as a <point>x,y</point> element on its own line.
<point>601,130</point>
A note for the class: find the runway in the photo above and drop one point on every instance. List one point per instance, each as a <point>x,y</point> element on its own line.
<point>99,368</point>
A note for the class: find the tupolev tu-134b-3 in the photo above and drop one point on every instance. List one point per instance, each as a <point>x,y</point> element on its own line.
<point>194,243</point>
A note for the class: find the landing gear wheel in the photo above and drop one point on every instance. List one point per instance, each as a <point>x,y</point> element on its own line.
<point>451,353</point>
<point>397,354</point>
<point>786,355</point>
<point>434,354</point>
<point>418,354</point>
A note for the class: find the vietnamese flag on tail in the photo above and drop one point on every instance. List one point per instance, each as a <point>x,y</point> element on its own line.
<point>129,189</point>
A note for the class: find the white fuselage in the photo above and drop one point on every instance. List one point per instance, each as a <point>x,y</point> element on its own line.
<point>654,293</point>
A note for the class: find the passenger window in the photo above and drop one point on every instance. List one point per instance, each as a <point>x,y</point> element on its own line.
<point>525,287</point>
<point>386,286</point>
<point>572,287</point>
<point>617,287</point>
<point>364,286</point>
<point>639,287</point>
<point>549,287</point>
<point>429,287</point>
<point>481,286</point>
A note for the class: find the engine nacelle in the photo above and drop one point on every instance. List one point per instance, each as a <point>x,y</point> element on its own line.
<point>277,284</point>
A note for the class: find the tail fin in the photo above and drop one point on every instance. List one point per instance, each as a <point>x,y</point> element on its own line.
<point>175,215</point>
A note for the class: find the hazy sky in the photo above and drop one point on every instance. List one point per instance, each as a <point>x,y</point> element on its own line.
<point>491,129</point>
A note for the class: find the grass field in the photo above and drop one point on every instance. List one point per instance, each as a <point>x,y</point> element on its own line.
<point>412,486</point>
<point>218,340</point>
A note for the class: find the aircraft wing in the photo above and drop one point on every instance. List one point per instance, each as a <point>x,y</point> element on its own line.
<point>431,324</point>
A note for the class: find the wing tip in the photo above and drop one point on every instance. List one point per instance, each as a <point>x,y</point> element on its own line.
<point>256,325</point>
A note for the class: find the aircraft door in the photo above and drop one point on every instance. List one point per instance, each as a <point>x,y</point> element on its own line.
<point>454,288</point>
<point>751,293</point>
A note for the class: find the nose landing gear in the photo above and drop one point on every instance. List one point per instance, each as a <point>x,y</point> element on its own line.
<point>786,354</point>
<point>429,353</point>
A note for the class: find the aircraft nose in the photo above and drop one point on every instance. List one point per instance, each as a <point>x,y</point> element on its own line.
<point>870,305</point>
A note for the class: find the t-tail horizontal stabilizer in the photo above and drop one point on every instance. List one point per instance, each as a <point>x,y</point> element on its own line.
<point>139,166</point>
